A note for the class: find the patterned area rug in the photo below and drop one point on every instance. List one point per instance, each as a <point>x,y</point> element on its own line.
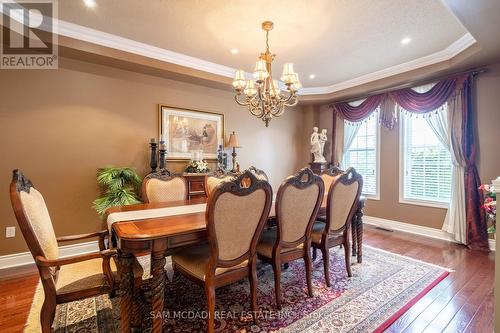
<point>381,289</point>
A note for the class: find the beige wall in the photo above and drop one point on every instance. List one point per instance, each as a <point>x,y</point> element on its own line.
<point>388,207</point>
<point>59,126</point>
<point>488,110</point>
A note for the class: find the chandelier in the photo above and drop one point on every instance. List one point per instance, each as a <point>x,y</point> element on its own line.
<point>264,97</point>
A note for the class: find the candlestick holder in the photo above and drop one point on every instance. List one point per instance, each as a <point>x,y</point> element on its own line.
<point>153,163</point>
<point>163,150</point>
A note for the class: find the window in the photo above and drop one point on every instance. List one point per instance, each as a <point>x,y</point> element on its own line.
<point>363,153</point>
<point>427,166</point>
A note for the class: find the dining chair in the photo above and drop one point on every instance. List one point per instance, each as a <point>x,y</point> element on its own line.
<point>236,213</point>
<point>164,186</point>
<point>342,200</point>
<point>211,181</point>
<point>297,204</point>
<point>63,279</point>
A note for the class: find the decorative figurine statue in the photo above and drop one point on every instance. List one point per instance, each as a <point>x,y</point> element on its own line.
<point>323,138</point>
<point>317,146</point>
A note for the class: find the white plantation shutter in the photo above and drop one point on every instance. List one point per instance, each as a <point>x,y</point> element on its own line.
<point>427,163</point>
<point>362,155</point>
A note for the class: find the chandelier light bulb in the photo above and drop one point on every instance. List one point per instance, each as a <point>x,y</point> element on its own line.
<point>260,73</point>
<point>250,88</point>
<point>239,79</point>
<point>288,69</point>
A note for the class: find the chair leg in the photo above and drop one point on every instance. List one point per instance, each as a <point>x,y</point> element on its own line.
<point>308,263</point>
<point>347,250</point>
<point>47,314</point>
<point>106,268</point>
<point>326,264</point>
<point>277,281</point>
<point>210,294</point>
<point>315,253</point>
<point>253,288</point>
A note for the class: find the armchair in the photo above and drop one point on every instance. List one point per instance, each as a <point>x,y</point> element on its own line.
<point>63,279</point>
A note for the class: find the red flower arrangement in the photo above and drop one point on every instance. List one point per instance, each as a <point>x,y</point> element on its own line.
<point>490,206</point>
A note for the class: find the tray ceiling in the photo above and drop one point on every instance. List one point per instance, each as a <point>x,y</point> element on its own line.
<point>341,42</point>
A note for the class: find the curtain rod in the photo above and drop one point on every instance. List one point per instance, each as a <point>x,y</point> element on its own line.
<point>416,83</point>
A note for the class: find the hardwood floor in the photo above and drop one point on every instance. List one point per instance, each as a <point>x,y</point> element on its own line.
<point>462,302</point>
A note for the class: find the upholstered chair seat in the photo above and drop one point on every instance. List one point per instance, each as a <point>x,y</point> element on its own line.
<point>194,260</point>
<point>164,187</point>
<point>82,275</point>
<point>297,204</point>
<point>317,232</point>
<point>267,241</point>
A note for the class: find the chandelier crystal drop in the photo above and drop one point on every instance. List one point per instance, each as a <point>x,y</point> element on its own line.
<point>264,97</point>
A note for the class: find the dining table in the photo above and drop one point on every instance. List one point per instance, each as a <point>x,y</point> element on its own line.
<point>159,229</point>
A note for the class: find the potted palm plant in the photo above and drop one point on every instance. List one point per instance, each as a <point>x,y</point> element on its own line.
<point>119,187</point>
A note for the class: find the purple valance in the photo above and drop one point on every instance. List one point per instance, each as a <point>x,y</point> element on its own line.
<point>358,113</point>
<point>407,98</point>
<point>415,102</point>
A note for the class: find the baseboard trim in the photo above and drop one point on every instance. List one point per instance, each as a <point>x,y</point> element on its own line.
<point>415,229</point>
<point>25,258</point>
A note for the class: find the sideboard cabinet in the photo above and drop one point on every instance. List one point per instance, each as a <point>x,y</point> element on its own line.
<point>196,185</point>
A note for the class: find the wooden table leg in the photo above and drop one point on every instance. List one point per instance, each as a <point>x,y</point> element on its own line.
<point>359,231</point>
<point>125,262</point>
<point>158,287</point>
<point>137,306</point>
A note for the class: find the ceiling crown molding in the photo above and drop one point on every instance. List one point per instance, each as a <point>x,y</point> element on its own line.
<point>131,46</point>
<point>450,52</point>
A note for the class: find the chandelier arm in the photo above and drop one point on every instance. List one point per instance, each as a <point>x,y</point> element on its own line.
<point>295,102</point>
<point>278,110</point>
<point>255,108</point>
<point>245,103</point>
<point>292,100</point>
<point>259,114</point>
<point>289,98</point>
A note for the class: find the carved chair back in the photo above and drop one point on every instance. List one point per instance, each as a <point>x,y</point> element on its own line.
<point>343,196</point>
<point>211,181</point>
<point>34,221</point>
<point>163,186</point>
<point>329,176</point>
<point>236,213</point>
<point>260,174</point>
<point>297,204</point>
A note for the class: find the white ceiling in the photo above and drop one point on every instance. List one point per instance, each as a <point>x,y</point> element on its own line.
<point>337,40</point>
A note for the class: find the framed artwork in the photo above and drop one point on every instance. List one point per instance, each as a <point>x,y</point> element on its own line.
<point>187,131</point>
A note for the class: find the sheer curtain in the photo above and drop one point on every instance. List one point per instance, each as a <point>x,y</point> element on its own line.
<point>350,132</point>
<point>441,122</point>
<point>347,136</point>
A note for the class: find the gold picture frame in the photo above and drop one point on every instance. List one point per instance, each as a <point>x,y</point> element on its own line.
<point>186,130</point>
